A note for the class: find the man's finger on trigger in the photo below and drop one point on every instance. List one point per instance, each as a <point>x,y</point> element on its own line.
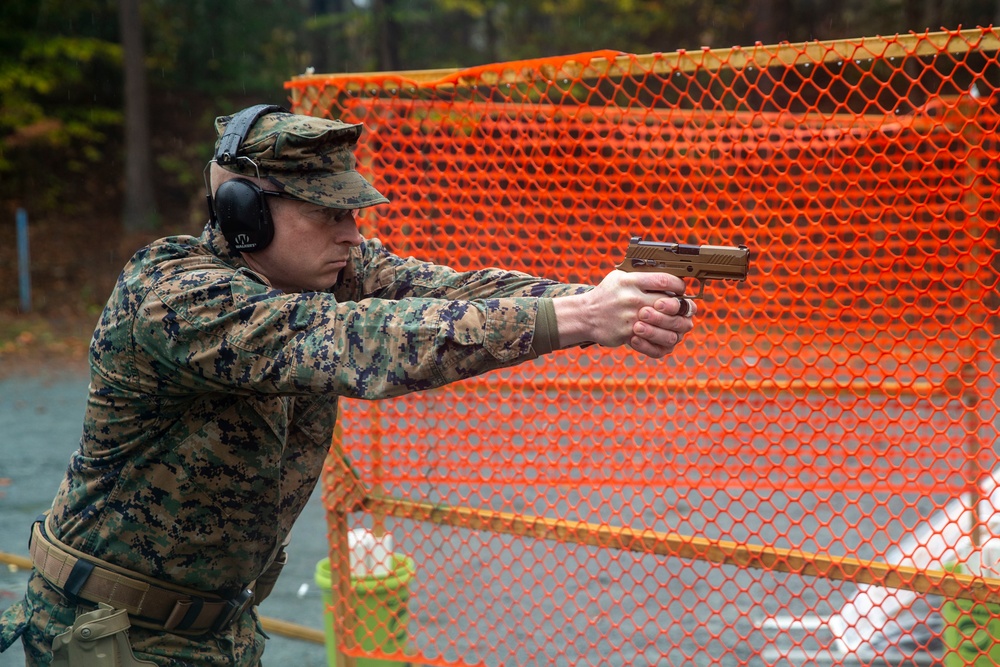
<point>684,308</point>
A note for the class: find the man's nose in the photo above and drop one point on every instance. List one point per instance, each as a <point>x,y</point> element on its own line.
<point>348,234</point>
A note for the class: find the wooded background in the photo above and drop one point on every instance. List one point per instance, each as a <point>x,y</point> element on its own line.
<point>106,106</point>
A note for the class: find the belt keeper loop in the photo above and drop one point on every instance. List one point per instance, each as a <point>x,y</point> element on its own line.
<point>77,577</point>
<point>184,614</point>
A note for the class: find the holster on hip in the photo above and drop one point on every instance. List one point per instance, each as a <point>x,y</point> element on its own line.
<point>97,638</point>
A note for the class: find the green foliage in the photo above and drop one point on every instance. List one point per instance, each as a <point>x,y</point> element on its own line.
<point>61,106</point>
<point>59,97</point>
<point>339,41</point>
<point>37,86</point>
<point>225,47</point>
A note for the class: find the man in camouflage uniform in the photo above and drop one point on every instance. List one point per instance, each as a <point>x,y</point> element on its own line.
<point>215,376</point>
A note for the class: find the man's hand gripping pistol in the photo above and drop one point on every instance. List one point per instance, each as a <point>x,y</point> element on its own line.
<point>701,262</point>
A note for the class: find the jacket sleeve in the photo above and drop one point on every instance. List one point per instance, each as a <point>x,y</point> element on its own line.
<point>375,272</point>
<point>421,327</point>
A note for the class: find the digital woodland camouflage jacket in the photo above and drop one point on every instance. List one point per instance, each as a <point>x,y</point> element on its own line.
<point>213,397</point>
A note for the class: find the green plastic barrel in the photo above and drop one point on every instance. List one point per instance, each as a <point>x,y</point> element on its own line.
<point>381,609</point>
<point>971,631</point>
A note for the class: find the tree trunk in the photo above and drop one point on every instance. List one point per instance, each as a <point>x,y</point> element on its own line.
<point>319,39</point>
<point>139,210</point>
<point>771,20</point>
<point>387,34</point>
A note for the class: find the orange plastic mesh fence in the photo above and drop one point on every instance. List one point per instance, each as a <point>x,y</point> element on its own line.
<point>811,478</point>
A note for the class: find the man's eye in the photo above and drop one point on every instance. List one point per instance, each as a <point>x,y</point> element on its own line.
<point>341,215</point>
<point>320,214</point>
<point>329,215</point>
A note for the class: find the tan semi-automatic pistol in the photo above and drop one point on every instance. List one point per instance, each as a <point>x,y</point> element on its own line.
<point>701,262</point>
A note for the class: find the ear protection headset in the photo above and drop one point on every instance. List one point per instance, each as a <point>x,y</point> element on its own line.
<point>239,207</point>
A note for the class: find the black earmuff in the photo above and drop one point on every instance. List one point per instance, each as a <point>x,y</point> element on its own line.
<point>240,207</point>
<point>243,215</point>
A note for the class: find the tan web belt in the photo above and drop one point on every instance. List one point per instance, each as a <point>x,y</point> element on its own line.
<point>150,603</point>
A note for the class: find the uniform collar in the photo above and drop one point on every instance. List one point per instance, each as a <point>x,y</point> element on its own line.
<point>218,245</point>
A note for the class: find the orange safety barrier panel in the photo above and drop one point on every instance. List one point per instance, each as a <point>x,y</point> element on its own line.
<point>812,478</point>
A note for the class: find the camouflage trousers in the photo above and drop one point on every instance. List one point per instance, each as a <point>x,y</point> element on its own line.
<point>45,613</point>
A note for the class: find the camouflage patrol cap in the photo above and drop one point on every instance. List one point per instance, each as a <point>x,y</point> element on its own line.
<point>310,158</point>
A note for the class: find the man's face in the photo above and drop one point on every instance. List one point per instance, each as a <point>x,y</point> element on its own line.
<point>311,246</point>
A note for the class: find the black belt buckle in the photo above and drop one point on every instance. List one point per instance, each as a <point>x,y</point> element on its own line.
<point>233,609</point>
